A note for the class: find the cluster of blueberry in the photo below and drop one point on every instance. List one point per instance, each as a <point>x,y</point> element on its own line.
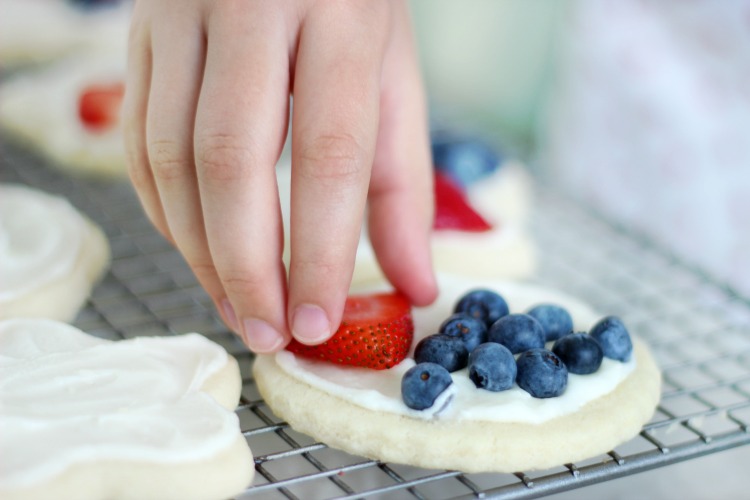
<point>482,335</point>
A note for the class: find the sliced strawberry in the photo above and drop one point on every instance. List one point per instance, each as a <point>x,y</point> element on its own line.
<point>99,105</point>
<point>452,211</point>
<point>376,332</point>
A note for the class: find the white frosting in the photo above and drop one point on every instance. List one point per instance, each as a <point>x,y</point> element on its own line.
<point>496,238</point>
<point>504,197</point>
<point>40,239</point>
<point>41,107</point>
<point>380,390</point>
<point>68,398</point>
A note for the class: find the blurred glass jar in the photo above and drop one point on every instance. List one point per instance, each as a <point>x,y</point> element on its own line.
<point>486,62</point>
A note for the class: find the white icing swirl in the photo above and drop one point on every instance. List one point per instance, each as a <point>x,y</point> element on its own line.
<point>40,239</point>
<point>381,390</point>
<point>68,398</point>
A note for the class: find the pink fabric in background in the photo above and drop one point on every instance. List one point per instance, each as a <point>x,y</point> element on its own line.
<point>650,122</point>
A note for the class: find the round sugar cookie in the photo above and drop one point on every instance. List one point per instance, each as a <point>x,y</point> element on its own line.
<point>360,411</point>
<point>69,112</point>
<point>51,255</point>
<point>148,417</point>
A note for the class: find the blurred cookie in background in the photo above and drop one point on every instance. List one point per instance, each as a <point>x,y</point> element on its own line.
<point>51,255</point>
<point>70,112</point>
<point>39,31</point>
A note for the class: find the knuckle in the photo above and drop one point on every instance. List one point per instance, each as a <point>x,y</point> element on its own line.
<point>332,157</point>
<point>166,161</point>
<point>244,284</point>
<point>203,268</point>
<point>322,266</point>
<point>205,272</point>
<point>223,158</point>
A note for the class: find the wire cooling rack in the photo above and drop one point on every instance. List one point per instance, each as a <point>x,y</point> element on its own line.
<point>698,329</point>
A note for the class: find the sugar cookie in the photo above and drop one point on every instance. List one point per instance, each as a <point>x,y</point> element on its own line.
<point>69,112</point>
<point>50,255</point>
<point>361,411</point>
<point>88,418</point>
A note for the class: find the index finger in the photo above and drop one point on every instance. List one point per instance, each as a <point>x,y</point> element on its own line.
<point>334,129</point>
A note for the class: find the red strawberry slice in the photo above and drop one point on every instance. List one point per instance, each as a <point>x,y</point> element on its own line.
<point>99,106</point>
<point>452,211</point>
<point>376,332</point>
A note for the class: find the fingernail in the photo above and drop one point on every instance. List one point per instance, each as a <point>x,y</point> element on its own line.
<point>261,337</point>
<point>230,315</point>
<point>310,324</point>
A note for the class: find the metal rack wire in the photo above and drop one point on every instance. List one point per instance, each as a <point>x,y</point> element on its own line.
<point>698,328</point>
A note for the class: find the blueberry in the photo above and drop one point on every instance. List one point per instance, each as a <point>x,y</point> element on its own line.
<point>469,329</point>
<point>492,367</point>
<point>541,373</point>
<point>517,332</point>
<point>465,160</point>
<point>555,320</point>
<point>580,352</point>
<point>423,383</point>
<point>444,350</point>
<point>614,338</point>
<point>482,304</point>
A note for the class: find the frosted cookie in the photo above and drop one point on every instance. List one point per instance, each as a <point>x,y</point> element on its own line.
<point>497,186</point>
<point>35,31</point>
<point>70,113</point>
<point>501,248</point>
<point>486,237</point>
<point>499,191</point>
<point>363,411</point>
<point>50,255</point>
<point>88,418</point>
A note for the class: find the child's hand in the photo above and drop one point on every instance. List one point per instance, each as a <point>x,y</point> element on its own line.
<point>206,114</point>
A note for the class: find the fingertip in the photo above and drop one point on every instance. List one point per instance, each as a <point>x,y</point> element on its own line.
<point>261,338</point>
<point>418,283</point>
<point>425,292</point>
<point>310,324</point>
